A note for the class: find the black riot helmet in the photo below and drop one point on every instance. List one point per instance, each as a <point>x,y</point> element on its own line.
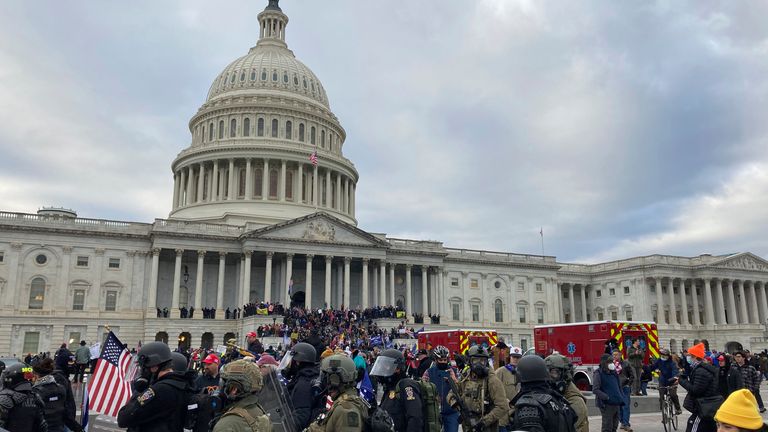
<point>532,368</point>
<point>179,362</point>
<point>154,354</point>
<point>303,352</point>
<point>16,374</point>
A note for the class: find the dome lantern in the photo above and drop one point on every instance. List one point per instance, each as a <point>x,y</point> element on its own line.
<point>272,22</point>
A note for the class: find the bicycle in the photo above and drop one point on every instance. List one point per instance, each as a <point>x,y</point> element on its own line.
<point>668,412</point>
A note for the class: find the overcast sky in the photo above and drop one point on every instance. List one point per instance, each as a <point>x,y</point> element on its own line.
<point>621,128</point>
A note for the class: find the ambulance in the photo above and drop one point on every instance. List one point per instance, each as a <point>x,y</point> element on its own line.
<point>584,343</point>
<point>457,340</point>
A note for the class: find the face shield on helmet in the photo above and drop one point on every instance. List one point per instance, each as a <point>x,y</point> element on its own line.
<point>285,363</point>
<point>384,367</point>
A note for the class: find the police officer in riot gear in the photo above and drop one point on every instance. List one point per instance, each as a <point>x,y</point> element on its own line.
<point>538,407</point>
<point>20,409</point>
<point>348,412</point>
<point>483,394</point>
<point>300,368</point>
<point>159,403</point>
<point>402,399</point>
<point>54,397</point>
<point>241,381</point>
<point>561,379</point>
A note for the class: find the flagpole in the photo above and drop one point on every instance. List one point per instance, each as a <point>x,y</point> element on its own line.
<point>542,240</point>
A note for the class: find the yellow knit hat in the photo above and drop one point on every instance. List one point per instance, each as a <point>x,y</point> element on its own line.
<point>740,410</point>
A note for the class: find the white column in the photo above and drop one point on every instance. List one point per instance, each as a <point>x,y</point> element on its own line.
<point>152,295</point>
<point>248,179</point>
<point>300,183</point>
<point>761,303</point>
<point>721,306</point>
<point>268,278</point>
<point>314,192</point>
<point>308,285</point>
<point>288,278</point>
<point>347,300</point>
<point>695,303</point>
<point>328,260</point>
<point>365,283</point>
<point>424,294</point>
<point>231,180</point>
<point>215,182</point>
<point>281,186</point>
<point>176,283</point>
<point>199,283</point>
<point>732,317</point>
<point>200,184</point>
<point>175,190</point>
<point>265,180</point>
<point>338,192</point>
<point>375,284</point>
<point>672,303</point>
<point>382,282</point>
<point>743,314</point>
<point>408,298</point>
<point>709,311</point>
<point>220,285</point>
<point>190,187</point>
<point>571,302</point>
<point>246,291</point>
<point>683,303</point>
<point>328,188</point>
<point>752,297</point>
<point>352,200</point>
<point>182,188</point>
<point>659,303</point>
<point>392,284</point>
<point>345,208</point>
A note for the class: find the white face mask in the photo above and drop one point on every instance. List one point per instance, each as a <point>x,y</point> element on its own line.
<point>611,366</point>
<point>689,359</point>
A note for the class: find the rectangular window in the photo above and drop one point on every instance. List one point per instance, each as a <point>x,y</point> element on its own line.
<point>614,315</point>
<point>82,261</point>
<point>540,315</point>
<point>31,342</point>
<point>111,301</point>
<point>78,300</point>
<point>455,311</point>
<point>626,290</point>
<point>521,314</point>
<point>655,316</point>
<point>539,287</point>
<point>629,315</point>
<point>475,312</point>
<point>521,286</point>
<point>74,338</point>
<point>598,293</point>
<point>524,343</point>
<point>454,282</point>
<point>114,263</point>
<point>2,256</point>
<point>599,316</point>
<point>473,283</point>
<point>612,291</point>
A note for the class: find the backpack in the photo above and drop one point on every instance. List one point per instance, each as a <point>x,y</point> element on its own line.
<point>260,423</point>
<point>379,420</point>
<point>430,403</point>
<point>555,411</point>
<point>201,408</point>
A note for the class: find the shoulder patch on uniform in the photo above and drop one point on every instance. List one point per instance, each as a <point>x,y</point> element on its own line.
<point>409,394</point>
<point>353,419</point>
<point>145,397</point>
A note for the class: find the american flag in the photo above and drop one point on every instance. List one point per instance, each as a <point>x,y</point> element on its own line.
<point>313,157</point>
<point>110,386</point>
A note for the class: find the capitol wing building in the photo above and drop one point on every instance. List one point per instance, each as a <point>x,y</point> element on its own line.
<point>264,210</point>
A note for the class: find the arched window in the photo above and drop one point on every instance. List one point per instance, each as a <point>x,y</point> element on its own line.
<point>221,129</point>
<point>203,134</point>
<point>258,182</point>
<point>274,128</point>
<point>242,76</point>
<point>312,135</point>
<point>295,80</point>
<point>241,182</point>
<point>322,139</point>
<point>263,74</point>
<point>498,310</point>
<point>260,127</point>
<point>232,128</point>
<point>285,77</point>
<point>274,75</point>
<point>288,130</point>
<point>37,293</point>
<point>253,75</point>
<point>289,185</point>
<point>210,132</point>
<point>273,183</point>
<point>247,127</point>
<point>301,132</point>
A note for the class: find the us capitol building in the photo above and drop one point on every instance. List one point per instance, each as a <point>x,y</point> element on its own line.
<point>254,219</point>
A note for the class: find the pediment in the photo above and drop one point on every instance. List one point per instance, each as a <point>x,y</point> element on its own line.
<point>743,261</point>
<point>318,228</point>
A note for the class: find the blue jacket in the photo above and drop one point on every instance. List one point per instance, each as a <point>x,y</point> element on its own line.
<point>667,371</point>
<point>606,388</point>
<point>437,377</point>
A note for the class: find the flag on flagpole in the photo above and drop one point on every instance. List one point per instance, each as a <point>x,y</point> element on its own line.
<point>110,385</point>
<point>313,158</point>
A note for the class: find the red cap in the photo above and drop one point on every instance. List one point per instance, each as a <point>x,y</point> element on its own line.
<point>267,359</point>
<point>211,358</point>
<point>251,334</point>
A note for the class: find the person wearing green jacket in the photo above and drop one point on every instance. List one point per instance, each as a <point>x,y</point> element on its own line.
<point>635,355</point>
<point>82,357</point>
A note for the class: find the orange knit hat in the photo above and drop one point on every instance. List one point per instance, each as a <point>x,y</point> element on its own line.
<point>697,351</point>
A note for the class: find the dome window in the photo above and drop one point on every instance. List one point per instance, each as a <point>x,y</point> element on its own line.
<point>288,130</point>
<point>274,75</point>
<point>232,79</point>
<point>322,139</point>
<point>301,132</point>
<point>221,129</point>
<point>210,132</point>
<point>312,83</point>
<point>263,74</point>
<point>247,127</point>
<point>253,75</point>
<point>242,76</point>
<point>312,135</point>
<point>295,80</point>
<point>275,128</point>
<point>285,77</point>
<point>232,128</point>
<point>305,82</point>
<point>260,127</point>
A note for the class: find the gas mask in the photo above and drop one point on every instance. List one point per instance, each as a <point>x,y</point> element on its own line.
<point>479,367</point>
<point>557,379</point>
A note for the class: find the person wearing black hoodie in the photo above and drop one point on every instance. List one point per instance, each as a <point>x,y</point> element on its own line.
<point>700,383</point>
<point>301,370</point>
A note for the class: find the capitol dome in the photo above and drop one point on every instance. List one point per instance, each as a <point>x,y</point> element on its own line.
<point>266,146</point>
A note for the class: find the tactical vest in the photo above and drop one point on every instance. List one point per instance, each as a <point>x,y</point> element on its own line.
<point>54,398</point>
<point>554,410</point>
<point>26,412</point>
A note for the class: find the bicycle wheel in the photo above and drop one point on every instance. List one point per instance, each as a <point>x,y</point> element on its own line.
<point>672,415</point>
<point>665,420</point>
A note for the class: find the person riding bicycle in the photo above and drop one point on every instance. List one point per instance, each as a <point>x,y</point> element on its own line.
<point>668,373</point>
